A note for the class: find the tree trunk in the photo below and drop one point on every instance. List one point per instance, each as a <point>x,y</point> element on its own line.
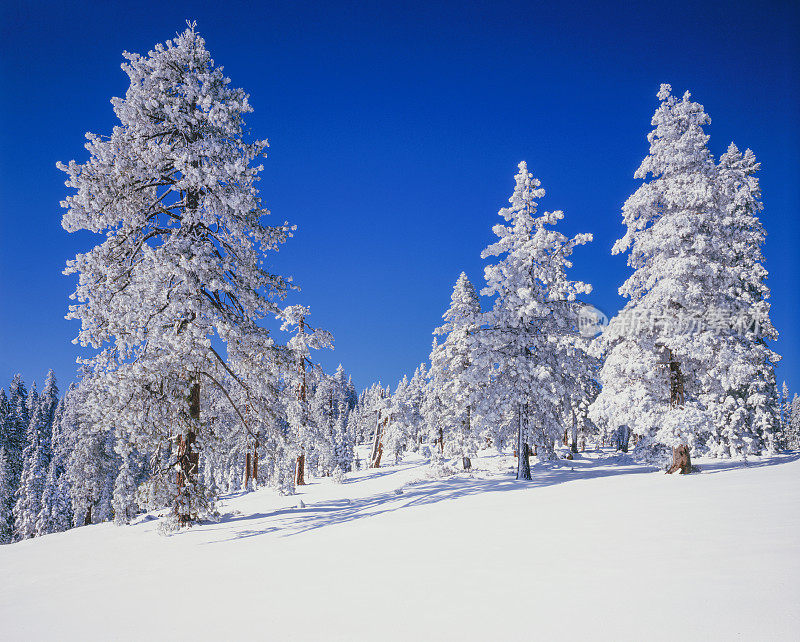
<point>300,463</point>
<point>188,461</point>
<point>377,446</point>
<point>376,463</point>
<point>573,447</point>
<point>87,520</point>
<point>247,471</point>
<point>299,470</point>
<point>254,469</point>
<point>681,460</point>
<point>523,461</point>
<point>441,441</point>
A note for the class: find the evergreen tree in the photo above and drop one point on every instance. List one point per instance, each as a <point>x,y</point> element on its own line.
<point>650,377</point>
<point>34,469</point>
<point>793,432</point>
<point>687,364</point>
<point>172,191</point>
<point>55,514</point>
<point>124,495</point>
<point>16,426</point>
<point>6,499</point>
<point>451,373</point>
<point>533,325</point>
<point>738,380</point>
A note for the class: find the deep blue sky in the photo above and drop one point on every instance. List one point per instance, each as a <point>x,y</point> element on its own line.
<point>395,131</point>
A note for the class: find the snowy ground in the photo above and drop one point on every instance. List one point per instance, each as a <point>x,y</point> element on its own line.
<point>598,548</point>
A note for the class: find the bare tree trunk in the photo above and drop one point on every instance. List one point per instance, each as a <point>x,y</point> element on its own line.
<point>523,461</point>
<point>441,441</point>
<point>87,520</point>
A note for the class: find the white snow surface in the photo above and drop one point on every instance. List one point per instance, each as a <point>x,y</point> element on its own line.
<point>598,548</point>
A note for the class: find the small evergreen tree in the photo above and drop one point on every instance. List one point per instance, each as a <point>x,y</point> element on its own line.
<point>532,327</point>
<point>451,371</point>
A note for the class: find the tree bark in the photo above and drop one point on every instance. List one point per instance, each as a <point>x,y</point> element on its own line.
<point>247,471</point>
<point>300,464</point>
<point>573,447</point>
<point>188,460</point>
<point>299,470</point>
<point>87,520</point>
<point>681,460</point>
<point>523,461</point>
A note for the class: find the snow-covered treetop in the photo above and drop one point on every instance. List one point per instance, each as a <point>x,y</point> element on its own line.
<point>464,306</point>
<point>533,270</point>
<point>173,191</point>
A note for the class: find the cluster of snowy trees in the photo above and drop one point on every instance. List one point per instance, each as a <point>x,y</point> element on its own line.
<point>48,471</point>
<point>684,368</point>
<point>178,298</point>
<point>203,379</point>
<point>58,470</point>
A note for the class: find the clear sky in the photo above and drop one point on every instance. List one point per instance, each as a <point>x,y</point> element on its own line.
<point>395,131</point>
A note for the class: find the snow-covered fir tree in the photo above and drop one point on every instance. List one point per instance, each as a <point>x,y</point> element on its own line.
<point>15,428</point>
<point>532,329</point>
<point>793,428</point>
<point>674,356</point>
<point>90,466</point>
<point>6,499</point>
<point>181,265</point>
<point>55,514</point>
<point>124,497</point>
<point>308,436</point>
<point>739,383</point>
<point>451,373</point>
<point>35,462</point>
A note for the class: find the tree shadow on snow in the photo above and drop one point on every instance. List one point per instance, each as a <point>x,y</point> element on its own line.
<point>294,521</point>
<point>723,465</point>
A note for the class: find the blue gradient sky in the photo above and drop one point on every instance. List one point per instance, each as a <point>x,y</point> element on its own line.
<point>395,131</point>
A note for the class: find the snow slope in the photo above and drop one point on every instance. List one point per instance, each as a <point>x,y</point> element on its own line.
<point>599,548</point>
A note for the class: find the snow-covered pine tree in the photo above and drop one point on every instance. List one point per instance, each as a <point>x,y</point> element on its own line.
<point>181,267</point>
<point>739,386</point>
<point>55,514</point>
<point>15,429</point>
<point>784,404</point>
<point>34,470</point>
<point>650,374</point>
<point>528,335</point>
<point>300,379</point>
<point>674,355</point>
<point>124,496</point>
<point>6,499</point>
<point>451,373</point>
<point>90,462</point>
<point>793,431</point>
<point>324,411</point>
<point>406,427</point>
